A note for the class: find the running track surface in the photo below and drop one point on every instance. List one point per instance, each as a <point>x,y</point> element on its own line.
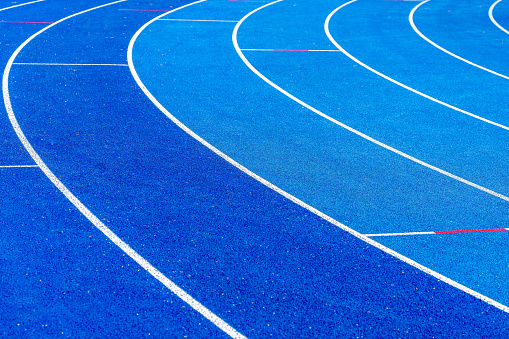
<point>251,168</point>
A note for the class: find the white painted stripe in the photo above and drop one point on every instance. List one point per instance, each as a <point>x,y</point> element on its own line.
<point>397,82</point>
<point>395,234</point>
<point>197,20</point>
<point>490,12</point>
<point>24,4</point>
<point>84,210</point>
<point>409,157</point>
<point>310,208</point>
<point>288,50</point>
<point>19,166</point>
<point>174,288</point>
<point>411,19</point>
<point>58,64</point>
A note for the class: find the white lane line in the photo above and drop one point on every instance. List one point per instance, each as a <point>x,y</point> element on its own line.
<point>197,20</point>
<point>397,82</point>
<point>411,20</point>
<point>220,323</point>
<point>84,210</point>
<point>490,12</point>
<point>24,4</point>
<point>19,166</point>
<point>310,208</point>
<point>439,232</point>
<point>387,147</point>
<point>396,234</point>
<point>58,64</point>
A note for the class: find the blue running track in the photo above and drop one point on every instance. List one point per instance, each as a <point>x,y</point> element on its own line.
<point>229,168</point>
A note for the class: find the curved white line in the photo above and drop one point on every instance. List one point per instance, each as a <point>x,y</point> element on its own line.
<point>84,210</point>
<point>24,4</point>
<point>411,19</point>
<point>490,12</point>
<point>175,289</point>
<point>397,82</point>
<point>362,135</point>
<point>312,209</point>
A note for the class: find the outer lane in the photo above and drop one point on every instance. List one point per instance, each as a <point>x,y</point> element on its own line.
<point>62,277</point>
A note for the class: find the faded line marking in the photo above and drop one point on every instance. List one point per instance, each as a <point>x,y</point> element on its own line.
<point>288,50</point>
<point>198,20</point>
<point>26,22</point>
<point>396,234</point>
<point>437,232</point>
<point>19,166</point>
<point>58,64</point>
<point>473,231</point>
<point>144,10</point>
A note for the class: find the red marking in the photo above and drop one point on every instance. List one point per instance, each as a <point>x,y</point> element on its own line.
<point>26,22</point>
<point>469,231</point>
<point>143,10</point>
<point>291,50</point>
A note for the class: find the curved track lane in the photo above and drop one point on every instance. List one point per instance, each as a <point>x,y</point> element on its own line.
<point>465,29</point>
<point>131,289</point>
<point>217,112</point>
<point>492,18</point>
<point>259,261</point>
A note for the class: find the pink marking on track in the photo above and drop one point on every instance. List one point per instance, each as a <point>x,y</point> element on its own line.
<point>26,22</point>
<point>248,1</point>
<point>144,10</point>
<point>471,231</point>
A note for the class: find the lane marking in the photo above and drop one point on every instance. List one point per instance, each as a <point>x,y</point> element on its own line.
<point>26,22</point>
<point>288,50</point>
<point>83,209</point>
<point>387,147</point>
<point>492,18</point>
<point>303,204</point>
<point>143,10</point>
<point>396,234</point>
<point>437,232</point>
<point>19,166</point>
<point>58,64</point>
<point>397,82</point>
<point>197,20</point>
<point>24,4</point>
<point>473,231</point>
<point>220,323</point>
<point>411,20</point>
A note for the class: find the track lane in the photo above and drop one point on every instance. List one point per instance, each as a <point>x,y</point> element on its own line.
<point>127,182</point>
<point>461,273</point>
<point>411,20</point>
<point>492,18</point>
<point>192,112</point>
<point>465,28</point>
<point>106,295</point>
